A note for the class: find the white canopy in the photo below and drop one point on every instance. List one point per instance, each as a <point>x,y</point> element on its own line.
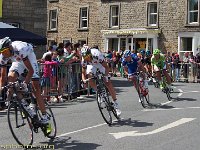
<point>4,25</point>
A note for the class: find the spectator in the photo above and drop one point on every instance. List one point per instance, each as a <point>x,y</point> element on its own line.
<point>192,61</point>
<point>67,49</point>
<point>177,66</point>
<point>47,76</point>
<point>49,52</point>
<point>198,67</point>
<point>62,71</point>
<point>186,66</point>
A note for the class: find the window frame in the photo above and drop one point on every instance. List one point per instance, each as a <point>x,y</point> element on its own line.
<point>111,17</point>
<point>188,13</point>
<point>50,20</point>
<point>81,18</point>
<point>149,4</point>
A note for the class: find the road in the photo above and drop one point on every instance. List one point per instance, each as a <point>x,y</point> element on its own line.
<point>166,125</point>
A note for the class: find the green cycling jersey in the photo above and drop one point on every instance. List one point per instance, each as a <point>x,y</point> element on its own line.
<point>158,62</point>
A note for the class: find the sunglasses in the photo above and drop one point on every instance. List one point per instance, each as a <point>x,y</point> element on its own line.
<point>4,50</point>
<point>86,56</point>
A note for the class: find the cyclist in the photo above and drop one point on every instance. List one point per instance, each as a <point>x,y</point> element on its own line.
<point>159,64</point>
<point>23,57</point>
<point>132,64</point>
<point>93,59</point>
<point>148,63</point>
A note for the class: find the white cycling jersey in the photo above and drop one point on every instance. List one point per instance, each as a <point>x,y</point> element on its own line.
<point>21,51</point>
<point>97,59</point>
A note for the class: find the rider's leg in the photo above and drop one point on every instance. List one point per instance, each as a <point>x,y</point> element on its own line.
<point>12,77</point>
<point>111,90</point>
<point>37,93</point>
<point>168,78</point>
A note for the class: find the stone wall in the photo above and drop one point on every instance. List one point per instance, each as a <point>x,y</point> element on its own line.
<point>31,14</point>
<point>68,21</point>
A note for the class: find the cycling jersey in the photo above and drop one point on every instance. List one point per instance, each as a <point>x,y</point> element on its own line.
<point>160,62</point>
<point>97,59</point>
<point>132,65</point>
<point>21,51</point>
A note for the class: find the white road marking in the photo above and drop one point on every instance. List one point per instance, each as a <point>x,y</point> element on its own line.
<point>82,129</point>
<point>181,92</point>
<point>166,103</point>
<point>170,109</point>
<point>168,126</point>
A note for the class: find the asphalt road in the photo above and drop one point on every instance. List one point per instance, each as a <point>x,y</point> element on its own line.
<point>166,125</point>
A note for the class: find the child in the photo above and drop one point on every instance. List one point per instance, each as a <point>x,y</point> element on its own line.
<point>47,75</point>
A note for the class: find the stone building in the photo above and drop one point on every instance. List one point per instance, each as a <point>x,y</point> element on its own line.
<point>74,21</point>
<point>127,24</point>
<point>28,15</point>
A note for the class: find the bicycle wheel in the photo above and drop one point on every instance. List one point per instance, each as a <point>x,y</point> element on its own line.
<point>142,98</point>
<point>167,91</point>
<point>49,130</point>
<point>20,125</point>
<point>104,108</point>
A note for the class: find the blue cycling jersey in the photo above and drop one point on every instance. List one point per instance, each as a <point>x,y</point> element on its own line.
<point>132,65</point>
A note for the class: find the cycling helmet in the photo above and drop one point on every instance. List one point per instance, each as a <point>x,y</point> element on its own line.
<point>85,51</point>
<point>142,52</point>
<point>4,44</point>
<point>148,53</point>
<point>156,51</point>
<point>127,53</point>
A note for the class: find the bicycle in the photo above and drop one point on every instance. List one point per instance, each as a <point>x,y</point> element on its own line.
<point>19,119</point>
<point>105,105</point>
<point>142,92</point>
<point>165,89</point>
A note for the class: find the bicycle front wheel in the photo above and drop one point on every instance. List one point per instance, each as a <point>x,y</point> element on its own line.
<point>20,125</point>
<point>104,108</point>
<point>50,130</point>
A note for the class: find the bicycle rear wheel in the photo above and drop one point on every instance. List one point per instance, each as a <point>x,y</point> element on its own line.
<point>167,91</point>
<point>20,124</point>
<point>104,108</point>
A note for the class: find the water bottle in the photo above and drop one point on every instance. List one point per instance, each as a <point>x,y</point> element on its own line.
<point>28,108</point>
<point>32,106</point>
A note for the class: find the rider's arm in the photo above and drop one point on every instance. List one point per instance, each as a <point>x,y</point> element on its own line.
<point>104,64</point>
<point>30,69</point>
<point>83,73</point>
<point>125,70</point>
<point>3,76</point>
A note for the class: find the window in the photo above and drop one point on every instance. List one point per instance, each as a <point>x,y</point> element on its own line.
<point>51,42</point>
<point>193,11</point>
<point>82,42</point>
<point>66,41</point>
<point>53,14</point>
<point>152,14</point>
<point>186,44</point>
<point>114,16</point>
<point>84,17</point>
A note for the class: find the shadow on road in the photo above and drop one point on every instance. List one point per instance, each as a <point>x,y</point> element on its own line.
<point>129,122</point>
<point>66,143</point>
<point>184,99</point>
<point>122,83</point>
<point>155,106</point>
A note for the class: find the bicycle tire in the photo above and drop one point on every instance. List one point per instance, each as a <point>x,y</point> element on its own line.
<point>168,94</point>
<point>102,100</point>
<point>14,108</point>
<point>141,96</point>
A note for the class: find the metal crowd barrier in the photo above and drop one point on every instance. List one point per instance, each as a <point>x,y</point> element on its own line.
<point>64,81</point>
<point>187,72</point>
